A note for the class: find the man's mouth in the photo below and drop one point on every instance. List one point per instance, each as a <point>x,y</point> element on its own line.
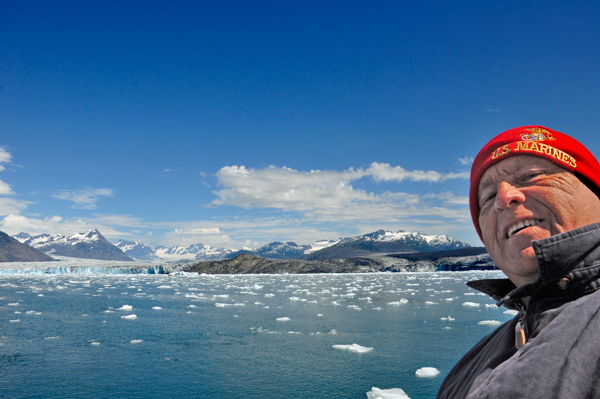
<point>521,225</point>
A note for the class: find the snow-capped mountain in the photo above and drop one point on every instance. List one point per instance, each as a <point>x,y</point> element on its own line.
<point>140,251</point>
<point>90,245</point>
<point>277,250</point>
<point>383,241</point>
<point>93,245</point>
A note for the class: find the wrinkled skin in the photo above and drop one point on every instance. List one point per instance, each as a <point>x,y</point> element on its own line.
<point>528,189</point>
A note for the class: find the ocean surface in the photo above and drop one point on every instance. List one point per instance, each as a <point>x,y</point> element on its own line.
<point>236,336</point>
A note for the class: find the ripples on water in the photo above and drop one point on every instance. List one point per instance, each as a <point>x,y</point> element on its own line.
<point>236,336</point>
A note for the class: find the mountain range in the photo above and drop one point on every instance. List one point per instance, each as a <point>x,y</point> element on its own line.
<point>90,245</point>
<point>93,245</point>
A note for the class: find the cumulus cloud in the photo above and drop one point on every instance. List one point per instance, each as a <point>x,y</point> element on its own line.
<point>322,192</point>
<point>83,199</point>
<point>10,206</point>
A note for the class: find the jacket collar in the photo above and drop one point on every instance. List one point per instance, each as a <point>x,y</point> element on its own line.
<point>569,256</point>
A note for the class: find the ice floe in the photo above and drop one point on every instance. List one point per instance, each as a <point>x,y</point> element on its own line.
<point>126,308</point>
<point>402,301</point>
<point>490,322</point>
<point>427,372</point>
<point>129,317</point>
<point>471,304</point>
<point>355,348</point>
<point>394,393</point>
<point>136,341</point>
<point>283,319</point>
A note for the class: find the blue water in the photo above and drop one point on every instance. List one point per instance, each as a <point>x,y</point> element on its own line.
<point>219,337</point>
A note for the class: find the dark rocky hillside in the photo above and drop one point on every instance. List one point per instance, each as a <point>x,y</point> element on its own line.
<point>12,250</point>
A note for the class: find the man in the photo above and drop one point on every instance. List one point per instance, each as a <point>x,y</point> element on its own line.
<point>534,202</point>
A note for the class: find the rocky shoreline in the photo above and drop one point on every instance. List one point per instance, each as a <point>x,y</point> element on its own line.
<point>249,264</point>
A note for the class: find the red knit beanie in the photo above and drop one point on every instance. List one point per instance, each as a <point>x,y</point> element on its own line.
<point>554,146</point>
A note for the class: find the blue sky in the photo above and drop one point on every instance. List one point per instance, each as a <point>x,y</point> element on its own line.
<point>238,123</point>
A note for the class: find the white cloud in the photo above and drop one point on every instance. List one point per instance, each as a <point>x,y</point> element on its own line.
<point>84,199</point>
<point>12,206</point>
<point>5,188</point>
<point>327,194</point>
<point>5,157</point>
<point>14,224</point>
<point>466,160</point>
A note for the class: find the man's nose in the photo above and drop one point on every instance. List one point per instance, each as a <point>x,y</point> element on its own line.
<point>507,196</point>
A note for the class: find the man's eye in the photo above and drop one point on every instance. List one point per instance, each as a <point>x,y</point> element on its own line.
<point>531,175</point>
<point>486,199</point>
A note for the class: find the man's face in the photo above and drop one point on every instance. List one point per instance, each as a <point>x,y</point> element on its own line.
<point>525,198</point>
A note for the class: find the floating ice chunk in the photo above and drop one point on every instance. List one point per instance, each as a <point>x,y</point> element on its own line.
<point>222,305</point>
<point>257,287</point>
<point>294,298</point>
<point>13,304</point>
<point>491,305</point>
<point>448,318</point>
<point>126,308</point>
<point>377,308</point>
<point>156,308</point>
<point>394,393</point>
<point>136,341</point>
<point>449,299</point>
<point>490,322</point>
<point>129,317</point>
<point>471,304</point>
<point>354,307</point>
<point>47,338</point>
<point>259,303</point>
<point>427,372</point>
<point>430,303</point>
<point>269,295</point>
<point>164,286</point>
<point>283,319</point>
<point>511,312</point>
<point>355,348</point>
<point>191,306</point>
<point>15,321</point>
<point>333,332</point>
<point>40,294</point>
<point>319,315</point>
<point>402,301</point>
<point>95,343</point>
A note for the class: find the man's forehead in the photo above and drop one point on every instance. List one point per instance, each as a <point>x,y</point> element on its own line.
<point>510,166</point>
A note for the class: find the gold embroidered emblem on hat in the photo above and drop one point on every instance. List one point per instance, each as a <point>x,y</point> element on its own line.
<point>537,134</point>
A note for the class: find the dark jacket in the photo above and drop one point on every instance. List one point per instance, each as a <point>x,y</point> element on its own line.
<point>561,356</point>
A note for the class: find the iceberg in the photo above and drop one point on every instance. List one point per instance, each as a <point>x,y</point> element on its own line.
<point>353,348</point>
<point>129,317</point>
<point>394,393</point>
<point>425,372</point>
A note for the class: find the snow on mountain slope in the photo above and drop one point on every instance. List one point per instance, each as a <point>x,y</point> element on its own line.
<point>91,245</point>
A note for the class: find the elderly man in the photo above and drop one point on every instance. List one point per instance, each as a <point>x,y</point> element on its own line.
<point>534,202</point>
